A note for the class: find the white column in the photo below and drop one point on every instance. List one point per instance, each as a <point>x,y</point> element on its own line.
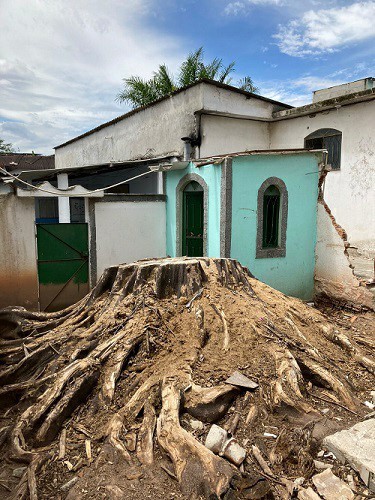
<point>64,206</point>
<point>160,183</point>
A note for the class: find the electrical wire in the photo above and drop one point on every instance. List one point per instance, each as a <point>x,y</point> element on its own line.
<point>37,188</point>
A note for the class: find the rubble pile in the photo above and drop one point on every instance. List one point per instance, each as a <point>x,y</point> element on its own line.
<point>181,378</point>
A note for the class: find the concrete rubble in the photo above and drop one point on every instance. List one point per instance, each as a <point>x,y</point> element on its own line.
<point>356,446</point>
<point>218,442</point>
<point>331,487</point>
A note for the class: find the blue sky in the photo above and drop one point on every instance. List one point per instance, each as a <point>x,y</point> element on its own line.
<point>61,62</point>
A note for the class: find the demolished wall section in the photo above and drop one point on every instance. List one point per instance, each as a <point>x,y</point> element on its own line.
<point>334,277</point>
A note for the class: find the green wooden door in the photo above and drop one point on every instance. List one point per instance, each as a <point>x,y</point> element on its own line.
<point>63,264</point>
<point>192,227</point>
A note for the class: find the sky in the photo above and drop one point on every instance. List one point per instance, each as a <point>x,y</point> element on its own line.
<point>62,61</point>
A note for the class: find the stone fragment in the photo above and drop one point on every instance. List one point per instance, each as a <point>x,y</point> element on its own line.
<point>307,494</point>
<point>331,487</point>
<point>321,465</point>
<point>234,452</point>
<point>356,446</point>
<point>216,438</point>
<point>196,425</point>
<point>19,472</point>
<point>240,380</point>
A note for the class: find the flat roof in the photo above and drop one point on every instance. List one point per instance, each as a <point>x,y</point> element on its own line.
<point>320,106</point>
<point>182,89</point>
<point>254,152</point>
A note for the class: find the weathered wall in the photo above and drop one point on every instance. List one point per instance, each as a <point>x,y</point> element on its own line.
<point>221,134</point>
<point>333,276</point>
<point>157,130</point>
<point>18,267</point>
<point>128,230</point>
<point>294,273</point>
<point>349,192</point>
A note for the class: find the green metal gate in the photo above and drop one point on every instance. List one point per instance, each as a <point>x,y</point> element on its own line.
<point>63,264</point>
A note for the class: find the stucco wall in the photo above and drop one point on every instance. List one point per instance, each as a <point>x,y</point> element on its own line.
<point>221,134</point>
<point>211,174</point>
<point>157,130</point>
<point>127,231</point>
<point>349,192</point>
<point>294,273</point>
<point>18,267</point>
<point>333,275</point>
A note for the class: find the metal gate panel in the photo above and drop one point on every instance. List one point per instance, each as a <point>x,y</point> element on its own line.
<point>63,264</point>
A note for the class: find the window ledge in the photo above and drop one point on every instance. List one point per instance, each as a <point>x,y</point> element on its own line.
<point>270,253</point>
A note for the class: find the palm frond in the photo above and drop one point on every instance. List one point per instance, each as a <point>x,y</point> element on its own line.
<point>247,84</point>
<point>224,75</point>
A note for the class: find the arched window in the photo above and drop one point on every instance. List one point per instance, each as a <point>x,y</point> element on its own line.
<point>329,139</point>
<point>272,219</point>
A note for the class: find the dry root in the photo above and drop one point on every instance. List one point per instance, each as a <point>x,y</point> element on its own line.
<point>117,361</point>
<point>198,470</point>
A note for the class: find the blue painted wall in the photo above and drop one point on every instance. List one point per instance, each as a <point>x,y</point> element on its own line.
<point>294,273</point>
<point>211,174</point>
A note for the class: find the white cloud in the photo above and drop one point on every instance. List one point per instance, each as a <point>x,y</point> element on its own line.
<point>240,7</point>
<point>62,64</point>
<point>327,30</point>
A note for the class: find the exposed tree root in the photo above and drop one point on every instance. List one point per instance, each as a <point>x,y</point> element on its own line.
<point>198,470</point>
<point>156,339</point>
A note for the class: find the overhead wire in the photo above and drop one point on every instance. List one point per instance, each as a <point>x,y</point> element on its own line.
<point>38,188</point>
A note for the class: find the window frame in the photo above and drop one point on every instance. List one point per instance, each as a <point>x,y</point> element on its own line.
<point>280,250</point>
<point>323,134</point>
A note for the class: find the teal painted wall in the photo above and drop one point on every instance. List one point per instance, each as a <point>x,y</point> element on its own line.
<point>211,174</point>
<point>294,273</point>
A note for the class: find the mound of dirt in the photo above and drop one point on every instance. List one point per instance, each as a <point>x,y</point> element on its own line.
<point>114,396</point>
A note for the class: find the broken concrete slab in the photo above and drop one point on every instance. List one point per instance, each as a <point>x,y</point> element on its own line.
<point>356,446</point>
<point>240,380</point>
<point>331,487</point>
<point>307,494</point>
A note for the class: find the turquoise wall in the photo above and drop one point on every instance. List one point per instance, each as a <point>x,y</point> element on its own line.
<point>294,273</point>
<point>211,174</point>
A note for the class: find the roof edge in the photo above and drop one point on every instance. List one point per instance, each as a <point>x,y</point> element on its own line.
<point>178,91</point>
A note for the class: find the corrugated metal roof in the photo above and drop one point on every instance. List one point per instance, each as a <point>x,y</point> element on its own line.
<point>26,161</point>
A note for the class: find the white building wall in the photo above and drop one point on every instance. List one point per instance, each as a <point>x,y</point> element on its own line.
<point>349,192</point>
<point>18,264</point>
<point>228,135</point>
<point>158,129</point>
<point>333,274</point>
<point>129,230</point>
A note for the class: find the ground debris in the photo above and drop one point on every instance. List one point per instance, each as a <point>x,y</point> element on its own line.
<point>331,487</point>
<point>130,379</point>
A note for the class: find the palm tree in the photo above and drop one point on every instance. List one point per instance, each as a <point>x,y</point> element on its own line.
<point>139,92</point>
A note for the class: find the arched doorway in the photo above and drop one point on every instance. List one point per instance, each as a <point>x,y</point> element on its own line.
<point>192,220</point>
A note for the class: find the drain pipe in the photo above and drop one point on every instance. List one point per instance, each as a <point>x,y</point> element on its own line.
<point>187,147</point>
<point>189,144</point>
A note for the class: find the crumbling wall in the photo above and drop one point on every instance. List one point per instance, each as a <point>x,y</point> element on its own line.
<point>18,265</point>
<point>334,277</point>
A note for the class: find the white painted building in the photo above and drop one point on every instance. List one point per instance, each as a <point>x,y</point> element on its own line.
<point>222,119</point>
<point>208,119</point>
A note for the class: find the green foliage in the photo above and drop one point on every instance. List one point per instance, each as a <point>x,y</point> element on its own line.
<point>140,92</point>
<point>6,147</point>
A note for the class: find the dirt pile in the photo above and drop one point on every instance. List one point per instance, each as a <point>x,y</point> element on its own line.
<point>114,396</point>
